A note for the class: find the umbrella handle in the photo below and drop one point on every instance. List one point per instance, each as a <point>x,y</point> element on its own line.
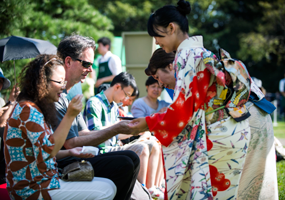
<point>15,73</point>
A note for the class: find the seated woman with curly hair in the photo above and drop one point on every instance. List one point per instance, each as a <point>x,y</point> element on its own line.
<point>31,146</point>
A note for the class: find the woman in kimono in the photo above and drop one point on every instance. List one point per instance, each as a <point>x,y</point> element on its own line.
<point>205,131</point>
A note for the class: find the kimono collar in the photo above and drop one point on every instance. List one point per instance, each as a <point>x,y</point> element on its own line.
<point>194,41</point>
<point>191,42</point>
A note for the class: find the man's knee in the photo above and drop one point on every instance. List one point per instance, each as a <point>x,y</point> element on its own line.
<point>133,156</point>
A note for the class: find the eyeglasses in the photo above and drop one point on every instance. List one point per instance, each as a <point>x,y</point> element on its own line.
<point>85,64</point>
<point>127,96</point>
<point>62,83</point>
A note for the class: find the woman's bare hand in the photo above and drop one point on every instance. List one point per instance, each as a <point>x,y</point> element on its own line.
<point>2,110</point>
<point>76,152</point>
<point>14,93</point>
<point>75,106</point>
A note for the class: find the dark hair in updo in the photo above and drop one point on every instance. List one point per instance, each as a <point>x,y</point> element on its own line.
<point>167,14</point>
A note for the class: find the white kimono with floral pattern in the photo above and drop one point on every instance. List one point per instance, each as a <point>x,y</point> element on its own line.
<point>204,154</point>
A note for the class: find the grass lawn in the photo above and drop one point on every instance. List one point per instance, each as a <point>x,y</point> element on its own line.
<point>281,179</point>
<point>279,132</point>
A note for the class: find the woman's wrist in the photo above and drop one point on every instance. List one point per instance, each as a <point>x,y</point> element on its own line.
<point>12,103</point>
<point>69,153</point>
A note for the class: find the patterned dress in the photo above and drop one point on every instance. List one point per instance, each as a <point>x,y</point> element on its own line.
<point>205,132</point>
<point>28,144</point>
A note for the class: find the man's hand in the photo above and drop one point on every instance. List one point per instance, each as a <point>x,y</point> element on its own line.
<point>136,126</point>
<point>123,128</point>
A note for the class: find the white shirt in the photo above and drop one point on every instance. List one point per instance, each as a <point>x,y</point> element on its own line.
<point>114,63</point>
<point>281,85</point>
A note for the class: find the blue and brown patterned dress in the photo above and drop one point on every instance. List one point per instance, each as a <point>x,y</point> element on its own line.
<point>30,173</point>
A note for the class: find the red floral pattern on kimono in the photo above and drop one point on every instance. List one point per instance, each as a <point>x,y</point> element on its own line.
<point>199,131</point>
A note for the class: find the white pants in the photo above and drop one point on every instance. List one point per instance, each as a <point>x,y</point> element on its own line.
<point>98,188</point>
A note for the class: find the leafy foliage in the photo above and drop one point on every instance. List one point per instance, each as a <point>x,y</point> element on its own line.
<point>49,20</point>
<point>250,30</point>
<point>269,37</point>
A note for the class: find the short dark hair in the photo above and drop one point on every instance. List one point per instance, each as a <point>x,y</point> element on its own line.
<point>103,87</point>
<point>159,59</point>
<point>167,14</point>
<point>105,41</point>
<point>74,45</point>
<point>125,79</point>
<point>150,81</point>
<point>136,93</point>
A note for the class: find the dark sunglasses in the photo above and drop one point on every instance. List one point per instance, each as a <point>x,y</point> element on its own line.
<point>85,64</point>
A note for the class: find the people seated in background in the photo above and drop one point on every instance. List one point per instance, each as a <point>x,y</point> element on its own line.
<point>146,106</point>
<point>109,64</point>
<point>123,112</point>
<point>122,167</point>
<point>31,147</point>
<point>5,111</point>
<point>102,111</point>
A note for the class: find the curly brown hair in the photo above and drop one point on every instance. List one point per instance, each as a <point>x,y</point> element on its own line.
<point>34,80</point>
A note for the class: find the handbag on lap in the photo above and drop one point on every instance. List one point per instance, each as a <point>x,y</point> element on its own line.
<point>78,171</point>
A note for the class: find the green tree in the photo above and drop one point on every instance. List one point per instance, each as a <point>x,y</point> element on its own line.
<point>250,30</point>
<point>12,16</point>
<point>269,37</point>
<point>49,20</point>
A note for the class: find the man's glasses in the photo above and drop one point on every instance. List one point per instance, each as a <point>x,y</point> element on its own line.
<point>85,64</point>
<point>127,96</point>
<point>62,83</point>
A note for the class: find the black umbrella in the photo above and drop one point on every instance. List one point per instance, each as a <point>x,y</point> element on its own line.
<point>16,48</point>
